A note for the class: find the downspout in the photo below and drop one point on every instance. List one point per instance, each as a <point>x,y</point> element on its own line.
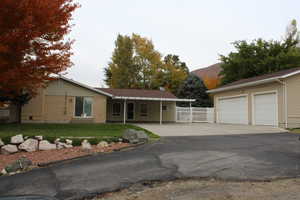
<point>285,101</point>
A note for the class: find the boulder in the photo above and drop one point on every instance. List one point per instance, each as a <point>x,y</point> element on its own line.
<point>85,145</point>
<point>9,149</point>
<point>1,143</point>
<point>102,144</point>
<point>19,165</point>
<point>46,145</point>
<point>135,136</point>
<point>18,139</point>
<point>69,142</point>
<point>57,140</point>
<point>29,145</point>
<point>3,172</point>
<point>39,137</point>
<point>62,145</point>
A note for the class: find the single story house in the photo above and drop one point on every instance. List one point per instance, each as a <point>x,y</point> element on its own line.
<point>68,101</point>
<point>271,99</point>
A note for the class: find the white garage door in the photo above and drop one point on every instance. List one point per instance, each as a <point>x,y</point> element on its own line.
<point>233,110</point>
<point>265,109</point>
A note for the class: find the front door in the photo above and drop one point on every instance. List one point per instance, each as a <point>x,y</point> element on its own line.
<point>130,111</point>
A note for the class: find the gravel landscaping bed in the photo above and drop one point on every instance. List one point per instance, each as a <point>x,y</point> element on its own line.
<point>41,157</point>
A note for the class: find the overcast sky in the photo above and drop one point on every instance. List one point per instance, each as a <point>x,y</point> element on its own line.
<point>196,30</point>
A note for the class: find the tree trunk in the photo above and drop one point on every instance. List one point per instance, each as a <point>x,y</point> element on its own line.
<point>19,109</point>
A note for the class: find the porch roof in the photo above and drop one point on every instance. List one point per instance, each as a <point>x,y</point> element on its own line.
<point>142,94</point>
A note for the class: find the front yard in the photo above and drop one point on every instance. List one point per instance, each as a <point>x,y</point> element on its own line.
<point>99,131</point>
<point>95,134</point>
<point>295,130</point>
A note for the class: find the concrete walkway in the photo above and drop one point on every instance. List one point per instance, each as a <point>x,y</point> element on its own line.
<point>230,157</point>
<point>201,129</point>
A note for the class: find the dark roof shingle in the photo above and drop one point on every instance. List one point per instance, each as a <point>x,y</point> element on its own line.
<point>262,77</point>
<point>143,93</point>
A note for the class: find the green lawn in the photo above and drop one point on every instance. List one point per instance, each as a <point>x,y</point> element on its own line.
<point>296,130</point>
<point>69,130</point>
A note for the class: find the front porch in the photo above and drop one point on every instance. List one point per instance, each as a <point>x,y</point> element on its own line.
<point>130,110</point>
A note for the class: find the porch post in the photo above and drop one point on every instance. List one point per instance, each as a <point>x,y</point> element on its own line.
<point>160,114</point>
<point>124,120</point>
<point>191,112</point>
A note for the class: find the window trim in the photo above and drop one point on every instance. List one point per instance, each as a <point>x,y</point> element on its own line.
<point>144,114</point>
<point>112,109</point>
<point>92,108</point>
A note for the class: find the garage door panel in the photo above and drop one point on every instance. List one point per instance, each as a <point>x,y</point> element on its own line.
<point>233,110</point>
<point>265,109</point>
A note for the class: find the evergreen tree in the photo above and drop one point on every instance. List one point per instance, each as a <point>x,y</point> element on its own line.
<point>194,88</point>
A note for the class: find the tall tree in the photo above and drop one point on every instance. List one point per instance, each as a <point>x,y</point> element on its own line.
<point>32,45</point>
<point>261,57</point>
<point>121,71</point>
<point>173,73</point>
<point>147,59</point>
<point>194,88</point>
<point>292,32</point>
<point>137,64</point>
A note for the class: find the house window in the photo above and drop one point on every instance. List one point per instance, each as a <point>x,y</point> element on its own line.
<point>116,109</point>
<point>83,106</point>
<point>144,110</point>
<point>164,108</point>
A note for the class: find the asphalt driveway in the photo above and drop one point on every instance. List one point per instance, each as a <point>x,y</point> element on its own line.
<point>201,129</point>
<point>228,157</point>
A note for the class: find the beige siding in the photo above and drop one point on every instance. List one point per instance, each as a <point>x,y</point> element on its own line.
<point>249,91</point>
<point>56,104</point>
<point>293,99</point>
<point>63,88</point>
<point>34,108</point>
<point>153,111</point>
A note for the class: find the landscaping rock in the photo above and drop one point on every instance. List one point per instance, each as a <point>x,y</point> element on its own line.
<point>39,137</point>
<point>135,136</point>
<point>69,142</point>
<point>19,165</point>
<point>46,145</point>
<point>57,140</point>
<point>29,145</point>
<point>85,145</point>
<point>62,145</point>
<point>1,143</point>
<point>18,139</point>
<point>3,172</point>
<point>9,149</point>
<point>102,144</point>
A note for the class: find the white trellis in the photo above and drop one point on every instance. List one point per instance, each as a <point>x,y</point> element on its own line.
<point>195,114</point>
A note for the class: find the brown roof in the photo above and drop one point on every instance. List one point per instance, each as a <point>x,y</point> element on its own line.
<point>138,93</point>
<point>211,71</point>
<point>262,77</point>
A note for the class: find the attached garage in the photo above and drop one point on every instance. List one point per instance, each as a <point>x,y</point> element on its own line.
<point>233,110</point>
<point>265,109</point>
<point>270,100</point>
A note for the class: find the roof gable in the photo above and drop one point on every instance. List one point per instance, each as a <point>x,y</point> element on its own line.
<point>84,86</point>
<point>258,80</point>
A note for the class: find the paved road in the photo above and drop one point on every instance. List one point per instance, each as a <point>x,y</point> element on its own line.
<point>234,157</point>
<point>200,129</point>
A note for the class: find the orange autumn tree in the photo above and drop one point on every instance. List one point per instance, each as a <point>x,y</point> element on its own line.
<point>33,46</point>
<point>211,82</point>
